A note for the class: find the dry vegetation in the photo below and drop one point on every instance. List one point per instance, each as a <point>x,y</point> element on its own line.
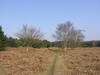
<point>19,61</point>
<point>85,61</point>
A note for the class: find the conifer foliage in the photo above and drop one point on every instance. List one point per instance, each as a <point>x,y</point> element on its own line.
<point>2,39</point>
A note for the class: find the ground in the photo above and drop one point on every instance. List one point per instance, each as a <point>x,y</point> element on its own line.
<point>50,61</point>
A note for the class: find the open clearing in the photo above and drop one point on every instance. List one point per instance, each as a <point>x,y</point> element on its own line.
<point>44,61</point>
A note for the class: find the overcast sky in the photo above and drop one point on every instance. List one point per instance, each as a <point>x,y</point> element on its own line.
<point>46,14</point>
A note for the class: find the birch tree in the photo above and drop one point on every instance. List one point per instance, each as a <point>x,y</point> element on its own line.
<point>68,35</point>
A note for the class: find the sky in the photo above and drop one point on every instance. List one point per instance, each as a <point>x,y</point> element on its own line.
<point>47,14</point>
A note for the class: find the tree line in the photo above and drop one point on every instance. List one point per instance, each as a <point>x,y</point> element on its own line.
<point>66,36</point>
<point>27,37</point>
<point>91,43</point>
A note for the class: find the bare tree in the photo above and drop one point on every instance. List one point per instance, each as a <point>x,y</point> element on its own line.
<point>29,34</point>
<point>69,36</point>
<point>75,38</point>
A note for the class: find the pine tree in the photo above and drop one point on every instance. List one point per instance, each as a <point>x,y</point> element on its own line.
<point>2,39</point>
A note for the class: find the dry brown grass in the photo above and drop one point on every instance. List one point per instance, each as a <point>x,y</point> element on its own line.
<point>19,61</point>
<point>83,60</point>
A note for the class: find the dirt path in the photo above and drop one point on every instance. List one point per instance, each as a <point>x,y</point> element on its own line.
<point>57,67</point>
